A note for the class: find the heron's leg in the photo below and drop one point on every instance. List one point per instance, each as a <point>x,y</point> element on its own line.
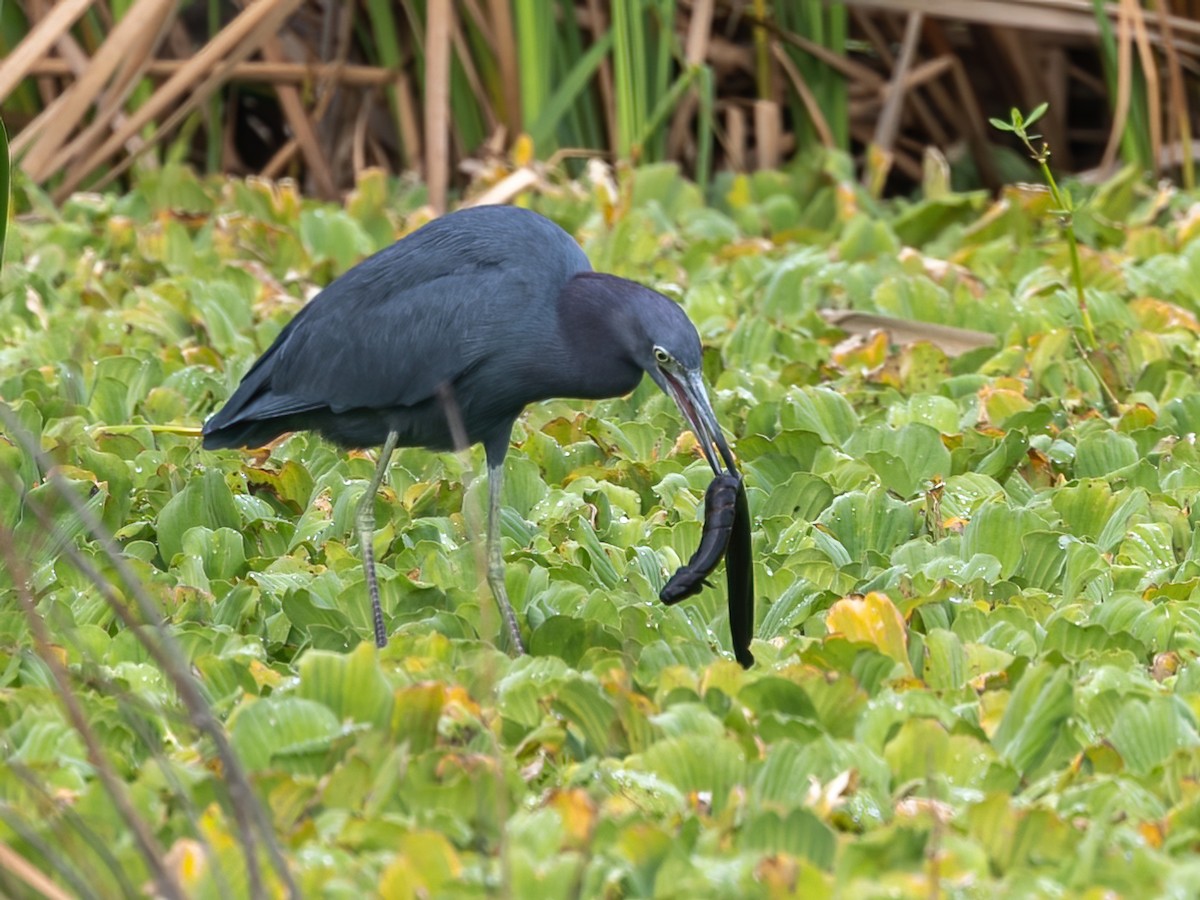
<point>495,572</point>
<point>364,517</point>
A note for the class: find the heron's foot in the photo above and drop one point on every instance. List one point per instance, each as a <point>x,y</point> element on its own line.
<point>511,630</point>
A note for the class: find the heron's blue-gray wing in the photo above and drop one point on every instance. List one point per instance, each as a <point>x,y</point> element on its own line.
<point>363,350</point>
<point>415,316</point>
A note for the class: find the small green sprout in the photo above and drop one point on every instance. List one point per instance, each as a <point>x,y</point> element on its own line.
<point>1019,125</point>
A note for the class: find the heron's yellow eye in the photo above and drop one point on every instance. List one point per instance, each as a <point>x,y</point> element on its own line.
<point>662,355</point>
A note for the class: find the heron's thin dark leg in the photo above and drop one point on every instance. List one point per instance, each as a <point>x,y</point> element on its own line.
<point>495,573</point>
<point>365,519</point>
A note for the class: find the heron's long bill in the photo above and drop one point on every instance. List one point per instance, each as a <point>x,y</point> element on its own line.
<point>691,397</point>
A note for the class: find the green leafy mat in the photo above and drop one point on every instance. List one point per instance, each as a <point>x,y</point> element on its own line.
<point>977,623</point>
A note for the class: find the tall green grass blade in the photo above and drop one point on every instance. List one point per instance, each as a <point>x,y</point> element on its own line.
<point>13,28</point>
<point>629,75</point>
<point>535,45</point>
<point>466,111</point>
<point>484,58</point>
<point>4,177</point>
<point>662,43</point>
<point>214,137</point>
<point>4,189</point>
<point>1135,138</point>
<point>836,105</point>
<point>584,123</point>
<point>641,57</point>
<point>762,51</point>
<point>572,85</point>
<point>382,38</point>
<point>704,128</point>
<point>667,104</point>
<point>90,30</point>
<point>825,25</point>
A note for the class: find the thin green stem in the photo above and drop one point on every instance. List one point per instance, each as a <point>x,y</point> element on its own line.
<point>1019,125</point>
<point>1062,203</point>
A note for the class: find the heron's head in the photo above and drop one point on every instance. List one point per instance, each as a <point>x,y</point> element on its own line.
<point>667,347</point>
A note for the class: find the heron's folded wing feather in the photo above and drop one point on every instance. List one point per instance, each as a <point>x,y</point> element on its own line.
<point>272,405</point>
<point>412,317</point>
<point>378,347</point>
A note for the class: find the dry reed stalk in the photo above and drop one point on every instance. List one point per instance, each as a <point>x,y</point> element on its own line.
<point>977,127</point>
<point>31,875</point>
<point>303,127</point>
<point>1124,88</point>
<point>38,42</point>
<point>1055,16</point>
<point>695,51</point>
<point>507,188</point>
<point>888,124</point>
<point>1179,123</point>
<point>234,43</point>
<point>295,73</point>
<point>930,122</point>
<point>768,133</point>
<point>109,78</point>
<point>500,13</point>
<point>1150,73</point>
<point>735,137</point>
<point>471,72</point>
<point>811,106</point>
<point>438,29</point>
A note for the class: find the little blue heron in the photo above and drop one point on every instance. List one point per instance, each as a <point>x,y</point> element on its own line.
<point>440,341</point>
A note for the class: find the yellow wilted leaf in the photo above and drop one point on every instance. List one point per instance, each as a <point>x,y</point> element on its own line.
<point>823,799</point>
<point>862,353</point>
<point>1152,833</point>
<point>872,619</point>
<point>1165,665</point>
<point>739,196</point>
<point>1158,315</point>
<point>686,443</point>
<point>605,192</point>
<point>846,202</point>
<point>921,809</point>
<point>457,698</point>
<point>998,405</point>
<point>643,842</point>
<point>402,879</point>
<point>743,247</point>
<point>59,652</point>
<point>992,704</point>
<point>879,164</point>
<point>1137,416</point>
<point>1189,225</point>
<point>1008,383</point>
<point>522,151</point>
<point>955,524</point>
<point>426,865</point>
<point>778,874</point>
<point>413,493</point>
<point>578,814</point>
<point>264,675</point>
<point>188,861</point>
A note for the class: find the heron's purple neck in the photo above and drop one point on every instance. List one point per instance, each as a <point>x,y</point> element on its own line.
<point>598,328</point>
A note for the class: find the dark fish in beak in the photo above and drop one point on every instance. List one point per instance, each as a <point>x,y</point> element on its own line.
<point>739,576</point>
<point>726,520</point>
